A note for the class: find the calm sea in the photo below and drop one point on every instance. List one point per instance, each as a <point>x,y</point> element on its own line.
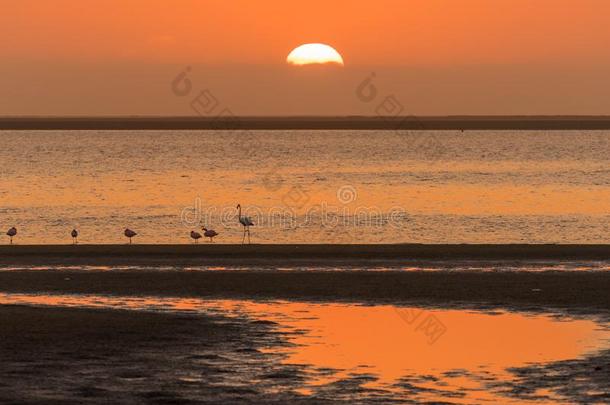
<point>307,186</point>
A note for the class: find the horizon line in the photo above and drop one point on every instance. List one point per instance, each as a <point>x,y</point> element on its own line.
<point>308,122</point>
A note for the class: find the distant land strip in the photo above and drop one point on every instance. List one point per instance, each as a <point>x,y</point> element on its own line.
<point>309,123</point>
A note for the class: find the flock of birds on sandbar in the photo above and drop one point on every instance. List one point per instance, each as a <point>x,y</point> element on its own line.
<point>245,221</point>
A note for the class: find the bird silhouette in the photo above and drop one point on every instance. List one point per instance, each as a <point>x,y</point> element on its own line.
<point>246,222</point>
<point>130,234</point>
<point>12,232</point>
<point>209,233</point>
<point>196,236</point>
<point>74,234</point>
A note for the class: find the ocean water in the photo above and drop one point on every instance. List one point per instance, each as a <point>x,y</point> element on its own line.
<point>307,186</point>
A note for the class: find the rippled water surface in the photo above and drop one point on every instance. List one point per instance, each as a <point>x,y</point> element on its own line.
<point>307,186</point>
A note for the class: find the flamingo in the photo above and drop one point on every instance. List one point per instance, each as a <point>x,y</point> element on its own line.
<point>130,234</point>
<point>74,234</point>
<point>246,222</point>
<point>12,232</point>
<point>209,233</point>
<point>196,236</point>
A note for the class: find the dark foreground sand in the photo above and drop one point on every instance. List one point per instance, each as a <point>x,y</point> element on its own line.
<point>66,355</point>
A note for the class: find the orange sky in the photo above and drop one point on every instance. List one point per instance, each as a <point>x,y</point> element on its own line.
<point>67,44</point>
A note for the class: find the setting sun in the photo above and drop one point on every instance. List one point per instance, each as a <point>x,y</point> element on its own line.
<point>310,201</point>
<point>308,54</point>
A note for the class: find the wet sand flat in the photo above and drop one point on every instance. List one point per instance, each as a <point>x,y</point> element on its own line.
<point>584,291</point>
<point>86,355</point>
<point>169,356</point>
<point>189,354</point>
<point>70,355</point>
<point>296,253</point>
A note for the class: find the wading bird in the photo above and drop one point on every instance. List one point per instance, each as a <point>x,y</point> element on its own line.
<point>196,236</point>
<point>130,234</point>
<point>209,233</point>
<point>12,232</point>
<point>246,222</point>
<point>74,234</point>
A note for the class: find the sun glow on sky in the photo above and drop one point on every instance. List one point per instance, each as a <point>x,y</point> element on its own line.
<point>439,57</point>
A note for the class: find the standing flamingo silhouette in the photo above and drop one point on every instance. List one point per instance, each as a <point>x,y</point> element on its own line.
<point>196,236</point>
<point>209,233</point>
<point>130,234</point>
<point>246,222</point>
<point>12,232</point>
